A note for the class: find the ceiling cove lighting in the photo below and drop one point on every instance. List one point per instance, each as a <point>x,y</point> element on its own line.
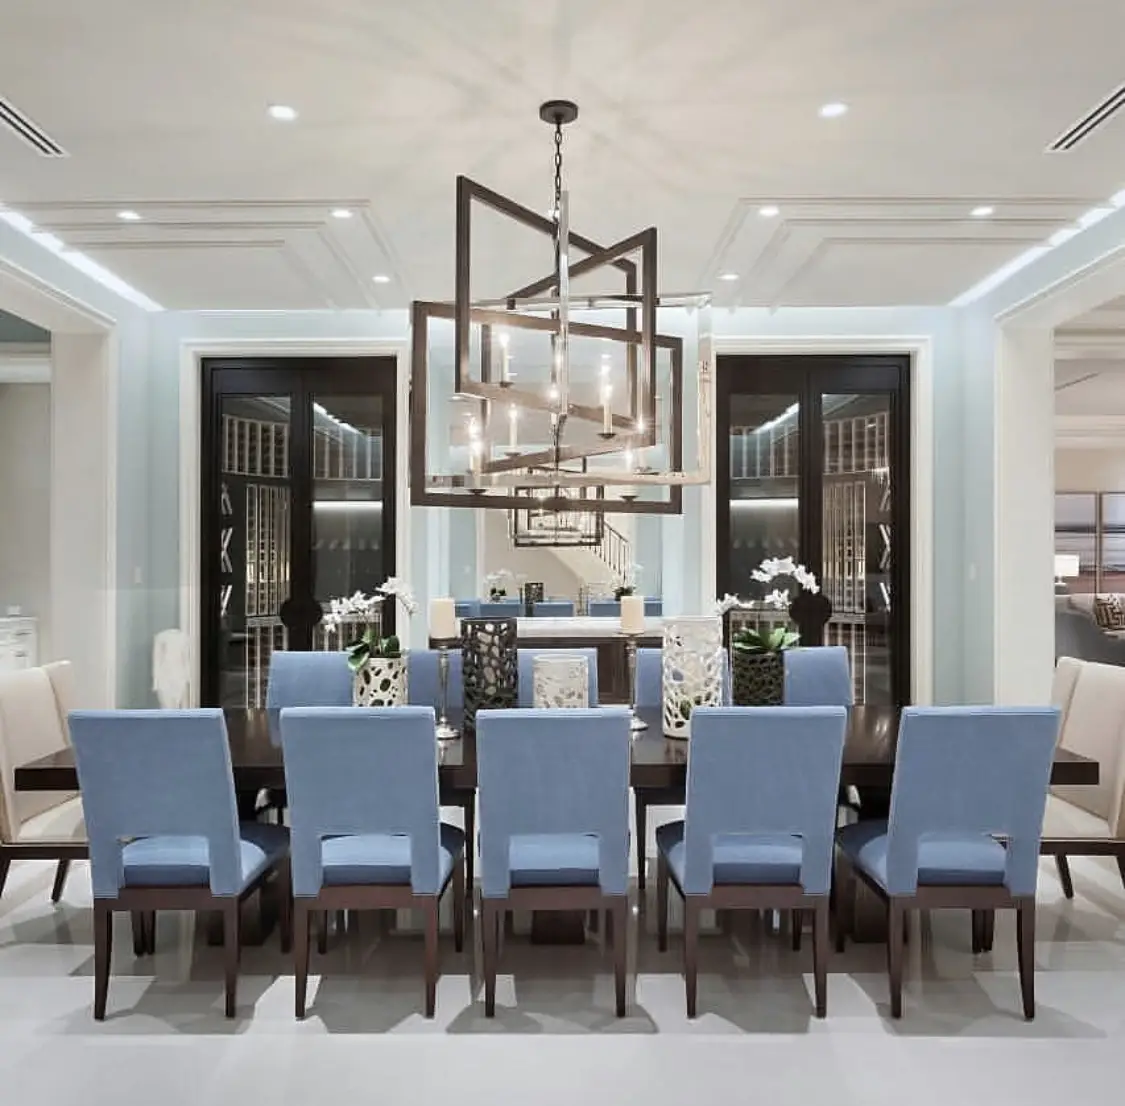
<point>129,216</point>
<point>77,260</point>
<point>1064,234</point>
<point>833,110</point>
<point>729,277</point>
<point>769,211</point>
<point>575,427</point>
<point>982,212</point>
<point>283,113</point>
<point>341,213</point>
<point>381,278</point>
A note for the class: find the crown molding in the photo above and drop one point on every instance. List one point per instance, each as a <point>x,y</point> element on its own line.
<point>1090,432</point>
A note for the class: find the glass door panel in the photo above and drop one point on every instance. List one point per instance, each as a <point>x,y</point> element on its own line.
<point>857,536</point>
<point>349,542</point>
<point>253,505</point>
<point>1112,543</point>
<point>1076,535</point>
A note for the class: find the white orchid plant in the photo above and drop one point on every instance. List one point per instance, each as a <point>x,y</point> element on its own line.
<point>778,638</point>
<point>363,608</point>
<point>497,583</point>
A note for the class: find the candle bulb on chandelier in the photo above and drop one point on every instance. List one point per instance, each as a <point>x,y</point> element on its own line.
<point>513,416</point>
<point>505,358</point>
<point>607,414</point>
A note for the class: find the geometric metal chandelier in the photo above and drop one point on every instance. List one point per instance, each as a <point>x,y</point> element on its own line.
<point>520,398</point>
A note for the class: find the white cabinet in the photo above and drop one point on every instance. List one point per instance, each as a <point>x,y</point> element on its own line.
<point>19,644</point>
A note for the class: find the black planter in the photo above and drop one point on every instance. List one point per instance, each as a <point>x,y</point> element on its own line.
<point>531,594</point>
<point>489,666</point>
<point>758,679</point>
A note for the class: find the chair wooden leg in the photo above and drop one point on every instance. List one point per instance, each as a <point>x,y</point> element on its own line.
<point>1025,949</point>
<point>796,921</point>
<point>1120,868</point>
<point>895,956</point>
<point>60,880</point>
<point>232,914</point>
<point>820,958</point>
<point>5,865</point>
<point>322,932</point>
<point>490,924</point>
<point>285,904</point>
<point>301,917</point>
<point>459,905</point>
<point>662,879</point>
<point>978,931</point>
<point>1063,865</point>
<point>150,932</point>
<point>431,967</point>
<point>691,953</point>
<point>641,807</point>
<point>470,808</point>
<point>140,938</point>
<point>845,902</point>
<point>620,916</point>
<point>988,930</point>
<point>103,953</point>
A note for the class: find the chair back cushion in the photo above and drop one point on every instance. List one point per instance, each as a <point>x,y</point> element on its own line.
<point>422,682</point>
<point>763,771</point>
<point>360,770</point>
<point>604,608</point>
<point>315,679</point>
<point>1063,683</point>
<point>964,772</point>
<point>156,773</point>
<point>553,772</point>
<point>30,728</point>
<point>1095,727</point>
<point>818,677</point>
<point>527,672</point>
<point>553,608</point>
<point>61,675</point>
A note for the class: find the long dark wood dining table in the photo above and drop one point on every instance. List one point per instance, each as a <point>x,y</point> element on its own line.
<point>658,763</point>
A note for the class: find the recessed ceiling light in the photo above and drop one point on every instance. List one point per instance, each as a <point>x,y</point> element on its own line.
<point>833,110</point>
<point>381,278</point>
<point>982,212</point>
<point>770,211</point>
<point>341,213</point>
<point>282,112</point>
<point>129,216</point>
<point>729,276</point>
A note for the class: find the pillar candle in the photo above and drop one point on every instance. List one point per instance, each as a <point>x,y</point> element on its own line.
<point>443,619</point>
<point>633,614</point>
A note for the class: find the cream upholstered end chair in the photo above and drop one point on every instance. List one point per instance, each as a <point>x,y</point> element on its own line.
<point>1089,821</point>
<point>35,825</point>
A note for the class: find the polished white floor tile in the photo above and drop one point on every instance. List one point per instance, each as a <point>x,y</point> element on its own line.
<point>555,1038</point>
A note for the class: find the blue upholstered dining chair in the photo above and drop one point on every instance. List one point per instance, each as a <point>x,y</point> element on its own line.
<point>554,821</point>
<point>818,677</point>
<point>654,608</point>
<point>553,608</point>
<point>423,684</point>
<point>527,657</point>
<point>759,824</point>
<point>158,795</point>
<point>467,608</point>
<point>650,694</point>
<point>366,833</point>
<point>501,608</point>
<point>604,608</point>
<point>309,679</point>
<point>967,802</point>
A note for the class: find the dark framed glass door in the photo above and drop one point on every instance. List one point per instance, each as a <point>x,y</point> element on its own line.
<point>298,508</point>
<point>813,462</point>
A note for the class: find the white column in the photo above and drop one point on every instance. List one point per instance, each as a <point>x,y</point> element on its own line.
<point>1023,577</point>
<point>82,513</point>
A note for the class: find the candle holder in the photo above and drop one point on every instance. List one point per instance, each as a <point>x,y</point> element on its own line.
<point>445,731</point>
<point>636,722</point>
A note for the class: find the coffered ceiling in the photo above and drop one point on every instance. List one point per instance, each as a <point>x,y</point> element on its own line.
<point>694,118</point>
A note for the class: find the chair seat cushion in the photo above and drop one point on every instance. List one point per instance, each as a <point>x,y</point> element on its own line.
<point>947,861</point>
<point>738,858</point>
<point>1063,819</point>
<point>64,822</point>
<point>554,860</point>
<point>182,861</point>
<point>382,858</point>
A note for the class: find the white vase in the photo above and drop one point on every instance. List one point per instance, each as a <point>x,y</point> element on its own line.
<point>692,662</point>
<point>560,680</point>
<point>381,682</point>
